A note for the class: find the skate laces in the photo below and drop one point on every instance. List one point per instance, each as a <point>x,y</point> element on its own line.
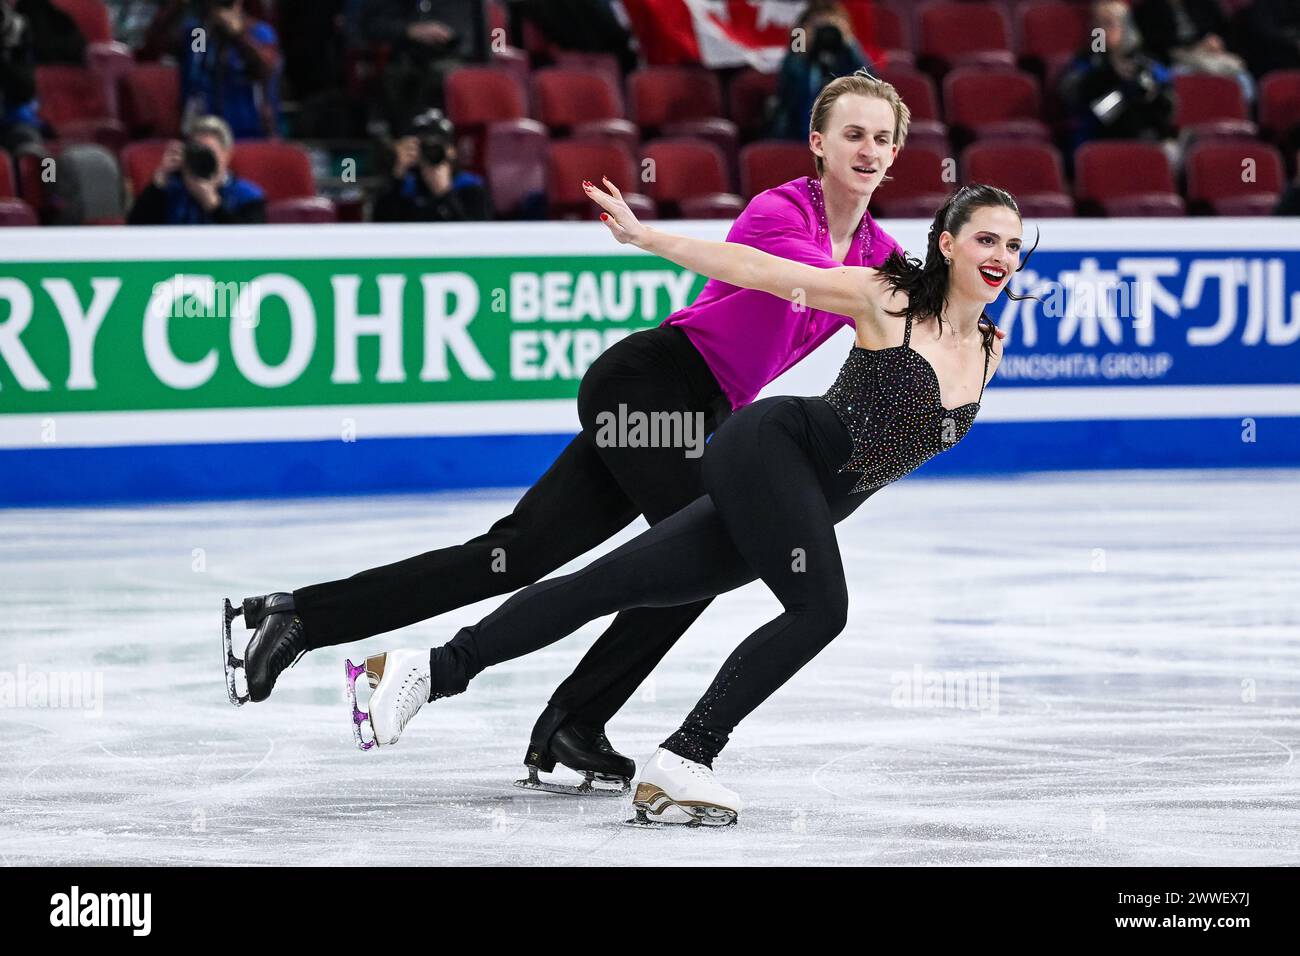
<point>287,647</point>
<point>412,695</point>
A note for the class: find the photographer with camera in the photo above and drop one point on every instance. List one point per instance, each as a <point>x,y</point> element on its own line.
<point>1117,92</point>
<point>426,186</point>
<point>822,47</point>
<point>193,184</point>
<point>230,67</point>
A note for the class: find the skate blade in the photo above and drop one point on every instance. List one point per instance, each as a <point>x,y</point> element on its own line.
<point>359,716</point>
<point>644,820</point>
<point>654,808</point>
<point>229,661</point>
<point>610,786</point>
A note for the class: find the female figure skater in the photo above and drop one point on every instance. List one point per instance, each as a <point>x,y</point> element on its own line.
<point>778,475</point>
<point>707,359</point>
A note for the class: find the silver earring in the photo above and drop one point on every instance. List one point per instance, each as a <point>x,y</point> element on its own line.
<point>947,261</point>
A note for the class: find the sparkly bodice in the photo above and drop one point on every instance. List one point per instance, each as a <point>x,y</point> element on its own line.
<point>889,401</point>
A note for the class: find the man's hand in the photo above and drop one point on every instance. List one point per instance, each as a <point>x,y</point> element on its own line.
<point>204,191</point>
<point>406,154</point>
<point>170,162</point>
<point>437,178</point>
<point>231,19</point>
<point>429,31</point>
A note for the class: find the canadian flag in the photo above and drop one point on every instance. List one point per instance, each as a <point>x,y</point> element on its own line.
<point>723,33</point>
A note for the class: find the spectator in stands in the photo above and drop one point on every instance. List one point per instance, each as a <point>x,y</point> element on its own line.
<point>822,47</point>
<point>312,34</point>
<point>426,186</point>
<point>20,127</point>
<point>230,67</point>
<point>1270,35</point>
<point>1187,35</point>
<point>589,26</point>
<point>55,34</point>
<point>1117,92</point>
<point>193,184</point>
<point>422,49</point>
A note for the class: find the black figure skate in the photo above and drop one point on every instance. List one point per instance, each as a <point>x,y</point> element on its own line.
<point>277,643</point>
<point>581,747</point>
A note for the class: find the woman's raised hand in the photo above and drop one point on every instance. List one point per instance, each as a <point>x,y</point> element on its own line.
<point>623,225</point>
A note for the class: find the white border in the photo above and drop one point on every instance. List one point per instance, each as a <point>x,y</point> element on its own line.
<point>494,239</point>
<point>552,416</point>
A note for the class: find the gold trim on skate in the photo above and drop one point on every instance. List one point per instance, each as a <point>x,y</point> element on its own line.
<point>375,668</point>
<point>650,801</point>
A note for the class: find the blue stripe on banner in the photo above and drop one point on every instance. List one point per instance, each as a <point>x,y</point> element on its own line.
<point>78,476</point>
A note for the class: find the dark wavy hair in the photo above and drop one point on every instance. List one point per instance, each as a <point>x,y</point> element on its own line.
<point>926,283</point>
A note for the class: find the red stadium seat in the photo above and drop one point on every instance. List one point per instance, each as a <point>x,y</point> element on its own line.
<point>92,18</point>
<point>715,206</point>
<point>6,176</point>
<point>917,90</point>
<point>659,95</point>
<point>993,104</point>
<point>571,162</point>
<point>1211,105</point>
<point>565,97</point>
<point>1279,106</point>
<point>606,64</point>
<point>1123,178</point>
<point>954,34</point>
<point>614,130</point>
<point>150,96</point>
<point>722,133</point>
<point>1234,178</point>
<point>112,61</point>
<point>303,209</point>
<point>476,96</point>
<point>515,153</point>
<point>683,169</point>
<point>514,61</point>
<point>76,102</point>
<point>917,187</point>
<point>889,30</point>
<point>747,99</point>
<point>769,163</point>
<point>15,212</point>
<point>139,163</point>
<point>283,170</point>
<point>1051,28</point>
<point>1032,172</point>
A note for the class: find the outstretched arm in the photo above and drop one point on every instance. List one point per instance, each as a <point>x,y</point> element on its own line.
<point>846,290</point>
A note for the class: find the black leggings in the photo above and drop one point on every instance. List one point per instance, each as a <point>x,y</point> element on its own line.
<point>773,499</point>
<point>590,493</point>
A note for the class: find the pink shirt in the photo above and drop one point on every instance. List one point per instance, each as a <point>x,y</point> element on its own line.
<point>749,338</point>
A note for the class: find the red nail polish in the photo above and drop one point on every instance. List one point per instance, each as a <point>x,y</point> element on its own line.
<point>604,217</point>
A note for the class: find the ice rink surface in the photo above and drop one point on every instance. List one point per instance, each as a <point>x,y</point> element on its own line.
<point>1074,669</point>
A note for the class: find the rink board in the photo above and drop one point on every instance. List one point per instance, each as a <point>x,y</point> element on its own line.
<point>169,363</point>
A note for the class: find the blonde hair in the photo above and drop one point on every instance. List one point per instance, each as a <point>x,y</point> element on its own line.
<point>864,84</point>
<point>212,126</point>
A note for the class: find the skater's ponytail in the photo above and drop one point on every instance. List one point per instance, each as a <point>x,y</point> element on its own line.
<point>926,284</point>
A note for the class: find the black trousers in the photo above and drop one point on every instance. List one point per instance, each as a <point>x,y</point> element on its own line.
<point>592,491</point>
<point>773,499</point>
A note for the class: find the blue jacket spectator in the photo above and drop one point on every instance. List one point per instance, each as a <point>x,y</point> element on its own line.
<point>183,192</point>
<point>230,67</point>
<point>19,123</point>
<point>825,49</point>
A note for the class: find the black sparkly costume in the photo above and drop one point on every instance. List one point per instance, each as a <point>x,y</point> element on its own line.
<point>889,401</point>
<point>779,475</point>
